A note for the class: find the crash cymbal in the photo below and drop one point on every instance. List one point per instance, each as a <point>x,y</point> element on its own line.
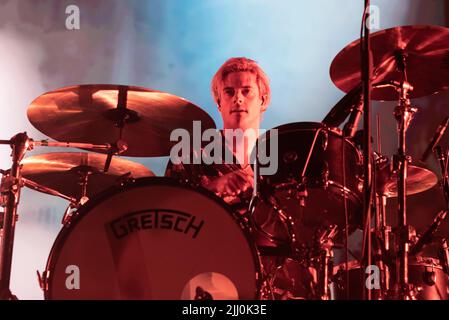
<point>418,180</point>
<point>64,172</point>
<point>426,55</point>
<point>95,113</point>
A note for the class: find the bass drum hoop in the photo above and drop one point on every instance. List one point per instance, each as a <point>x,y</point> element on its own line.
<point>82,212</point>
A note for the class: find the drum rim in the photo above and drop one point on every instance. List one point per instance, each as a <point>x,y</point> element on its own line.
<point>310,125</point>
<point>67,228</point>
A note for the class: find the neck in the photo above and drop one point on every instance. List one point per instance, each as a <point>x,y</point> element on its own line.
<point>241,142</point>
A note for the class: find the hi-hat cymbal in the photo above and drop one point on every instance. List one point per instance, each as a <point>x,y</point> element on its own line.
<point>426,55</point>
<point>94,114</point>
<point>418,180</point>
<point>64,172</point>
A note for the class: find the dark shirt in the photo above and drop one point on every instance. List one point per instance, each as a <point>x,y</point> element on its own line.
<point>200,175</point>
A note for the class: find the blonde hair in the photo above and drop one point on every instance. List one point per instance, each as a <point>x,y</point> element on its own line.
<point>241,64</point>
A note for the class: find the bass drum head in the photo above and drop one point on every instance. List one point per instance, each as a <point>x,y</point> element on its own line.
<point>153,239</point>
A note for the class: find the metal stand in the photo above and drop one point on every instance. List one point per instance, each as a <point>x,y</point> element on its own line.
<point>366,77</point>
<point>326,244</point>
<point>382,237</point>
<point>404,114</point>
<point>11,190</point>
<point>11,185</point>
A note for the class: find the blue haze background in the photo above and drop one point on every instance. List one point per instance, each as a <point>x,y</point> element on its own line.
<point>176,46</point>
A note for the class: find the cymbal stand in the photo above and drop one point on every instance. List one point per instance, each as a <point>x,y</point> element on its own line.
<point>10,189</point>
<point>83,171</point>
<point>381,233</point>
<point>36,186</point>
<point>325,245</point>
<point>403,114</point>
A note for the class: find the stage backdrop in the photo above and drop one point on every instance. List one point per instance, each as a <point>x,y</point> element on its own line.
<point>176,46</point>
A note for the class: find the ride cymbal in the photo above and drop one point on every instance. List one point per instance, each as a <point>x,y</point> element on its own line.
<point>422,50</point>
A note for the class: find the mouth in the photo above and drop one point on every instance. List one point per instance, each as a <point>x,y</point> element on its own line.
<point>239,111</point>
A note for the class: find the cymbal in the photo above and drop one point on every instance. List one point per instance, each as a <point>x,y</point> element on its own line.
<point>95,113</point>
<point>63,172</point>
<point>418,180</point>
<point>426,52</point>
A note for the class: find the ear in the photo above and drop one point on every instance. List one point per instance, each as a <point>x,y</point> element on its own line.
<point>264,106</point>
<point>218,105</point>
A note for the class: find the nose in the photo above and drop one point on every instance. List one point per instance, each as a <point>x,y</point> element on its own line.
<point>238,97</point>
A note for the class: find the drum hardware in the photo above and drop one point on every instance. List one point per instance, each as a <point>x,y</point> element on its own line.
<point>11,189</point>
<point>442,161</point>
<point>403,114</point>
<point>11,185</point>
<point>42,279</point>
<point>429,280</point>
<point>38,187</point>
<point>266,195</point>
<point>326,244</point>
<point>427,236</point>
<point>382,254</point>
<point>443,255</point>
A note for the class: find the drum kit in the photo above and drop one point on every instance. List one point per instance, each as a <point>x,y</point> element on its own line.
<point>128,234</point>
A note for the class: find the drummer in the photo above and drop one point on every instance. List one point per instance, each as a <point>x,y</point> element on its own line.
<point>241,90</point>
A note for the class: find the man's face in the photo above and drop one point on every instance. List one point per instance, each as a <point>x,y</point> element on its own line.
<point>240,103</point>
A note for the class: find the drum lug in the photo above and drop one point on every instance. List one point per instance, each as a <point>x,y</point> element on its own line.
<point>359,184</point>
<point>69,214</point>
<point>429,277</point>
<point>324,140</point>
<point>290,156</point>
<point>325,175</point>
<point>323,179</point>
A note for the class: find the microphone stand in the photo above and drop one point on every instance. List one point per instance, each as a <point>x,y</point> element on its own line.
<point>441,157</point>
<point>367,86</point>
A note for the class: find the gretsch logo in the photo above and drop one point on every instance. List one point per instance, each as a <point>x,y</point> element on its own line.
<point>156,219</point>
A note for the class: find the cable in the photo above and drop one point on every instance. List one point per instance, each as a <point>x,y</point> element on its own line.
<point>345,204</point>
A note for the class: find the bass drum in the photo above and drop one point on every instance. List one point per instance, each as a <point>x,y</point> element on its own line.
<point>153,239</point>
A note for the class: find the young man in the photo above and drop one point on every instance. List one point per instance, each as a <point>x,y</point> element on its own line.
<point>241,91</point>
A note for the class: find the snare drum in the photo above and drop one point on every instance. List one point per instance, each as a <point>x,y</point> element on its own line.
<point>153,239</point>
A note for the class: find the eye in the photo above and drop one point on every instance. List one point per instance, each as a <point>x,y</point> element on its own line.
<point>247,91</point>
<point>229,92</point>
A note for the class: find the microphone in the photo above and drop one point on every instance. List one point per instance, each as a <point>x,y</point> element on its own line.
<point>343,108</point>
<point>436,138</point>
<point>427,236</point>
<point>351,126</point>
